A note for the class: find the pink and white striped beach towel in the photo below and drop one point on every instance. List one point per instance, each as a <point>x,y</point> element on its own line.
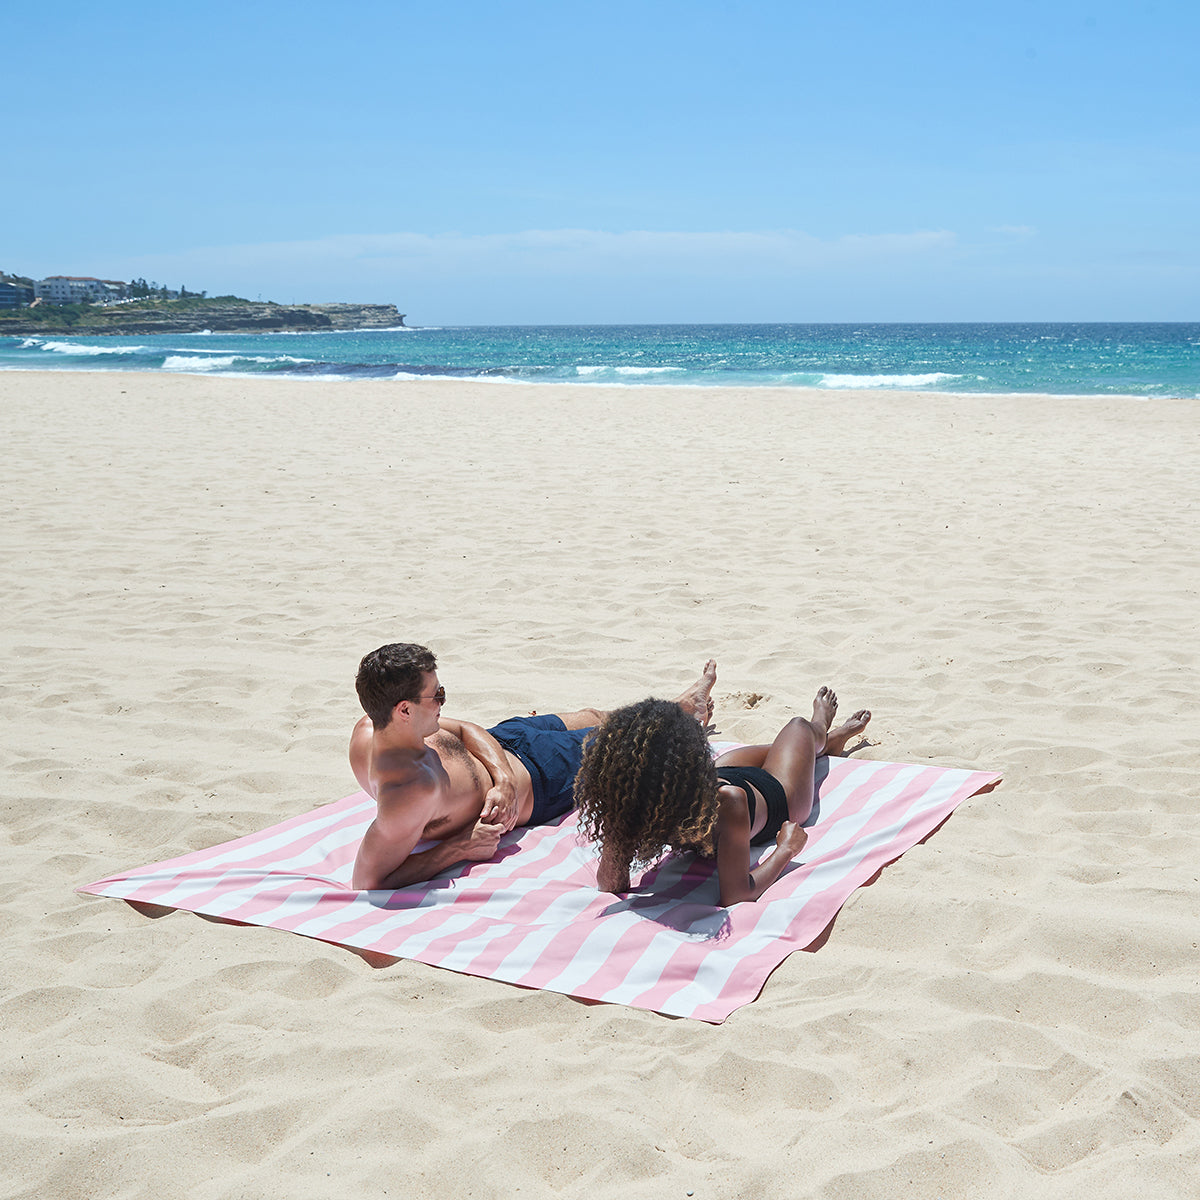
<point>532,916</point>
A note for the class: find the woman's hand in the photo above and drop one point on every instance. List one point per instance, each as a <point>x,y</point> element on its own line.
<point>611,875</point>
<point>791,838</point>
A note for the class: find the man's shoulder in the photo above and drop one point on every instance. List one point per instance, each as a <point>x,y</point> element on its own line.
<point>403,774</point>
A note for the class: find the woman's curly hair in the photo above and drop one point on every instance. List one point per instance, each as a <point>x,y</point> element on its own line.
<point>647,780</point>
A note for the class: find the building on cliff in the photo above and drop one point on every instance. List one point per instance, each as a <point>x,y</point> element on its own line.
<point>79,289</point>
<point>15,295</point>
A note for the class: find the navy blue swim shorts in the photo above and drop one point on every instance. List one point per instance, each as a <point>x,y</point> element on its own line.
<point>551,752</point>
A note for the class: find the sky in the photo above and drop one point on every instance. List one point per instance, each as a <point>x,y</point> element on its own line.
<point>575,163</point>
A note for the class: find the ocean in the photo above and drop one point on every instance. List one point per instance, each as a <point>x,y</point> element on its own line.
<point>1141,360</point>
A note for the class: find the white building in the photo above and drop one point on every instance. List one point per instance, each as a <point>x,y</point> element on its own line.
<point>78,289</point>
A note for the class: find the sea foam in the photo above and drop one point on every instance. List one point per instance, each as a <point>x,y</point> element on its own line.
<point>883,381</point>
<point>196,362</point>
<point>646,370</point>
<point>75,348</point>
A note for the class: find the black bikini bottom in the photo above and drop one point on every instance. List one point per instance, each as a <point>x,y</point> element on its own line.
<point>771,791</point>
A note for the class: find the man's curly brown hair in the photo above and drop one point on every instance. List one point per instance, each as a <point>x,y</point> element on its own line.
<point>647,780</point>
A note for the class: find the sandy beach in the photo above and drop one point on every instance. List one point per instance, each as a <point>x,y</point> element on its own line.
<point>193,568</point>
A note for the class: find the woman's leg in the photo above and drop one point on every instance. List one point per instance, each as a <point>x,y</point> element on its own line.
<point>792,757</point>
<point>743,756</point>
<point>835,743</point>
<point>836,739</point>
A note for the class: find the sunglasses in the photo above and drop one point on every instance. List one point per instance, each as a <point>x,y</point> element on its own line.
<point>439,697</point>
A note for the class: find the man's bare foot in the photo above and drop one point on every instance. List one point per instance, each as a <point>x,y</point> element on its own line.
<point>697,700</point>
<point>824,710</point>
<point>836,739</point>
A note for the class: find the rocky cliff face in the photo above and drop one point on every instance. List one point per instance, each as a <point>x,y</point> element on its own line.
<point>224,316</point>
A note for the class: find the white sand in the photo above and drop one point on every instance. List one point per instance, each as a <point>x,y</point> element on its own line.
<point>192,568</point>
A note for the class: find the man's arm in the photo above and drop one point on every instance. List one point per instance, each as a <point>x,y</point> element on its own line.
<point>500,803</point>
<point>385,859</point>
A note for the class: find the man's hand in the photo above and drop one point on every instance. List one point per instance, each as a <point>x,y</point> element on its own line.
<point>481,842</point>
<point>500,805</point>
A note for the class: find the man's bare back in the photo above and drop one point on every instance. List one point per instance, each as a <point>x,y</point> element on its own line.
<point>437,779</point>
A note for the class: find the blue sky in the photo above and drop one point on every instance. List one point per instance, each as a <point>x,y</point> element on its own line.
<point>621,162</point>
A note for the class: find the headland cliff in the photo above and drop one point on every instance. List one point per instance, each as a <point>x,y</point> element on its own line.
<point>221,314</point>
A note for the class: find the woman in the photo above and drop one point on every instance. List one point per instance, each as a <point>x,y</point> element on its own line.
<point>648,780</point>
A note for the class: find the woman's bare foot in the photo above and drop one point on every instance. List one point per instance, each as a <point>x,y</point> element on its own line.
<point>824,710</point>
<point>697,700</point>
<point>836,739</point>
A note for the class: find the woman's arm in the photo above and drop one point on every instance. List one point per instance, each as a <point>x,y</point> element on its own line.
<point>611,875</point>
<point>737,881</point>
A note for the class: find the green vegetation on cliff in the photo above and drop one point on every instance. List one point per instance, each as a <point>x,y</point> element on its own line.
<point>225,314</point>
<point>62,318</point>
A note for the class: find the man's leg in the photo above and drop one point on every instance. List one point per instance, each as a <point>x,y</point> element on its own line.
<point>585,718</point>
<point>695,700</point>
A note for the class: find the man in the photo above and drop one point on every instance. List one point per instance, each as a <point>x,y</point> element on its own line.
<point>453,782</point>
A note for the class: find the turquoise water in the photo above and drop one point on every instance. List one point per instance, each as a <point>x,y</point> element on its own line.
<point>1091,360</point>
